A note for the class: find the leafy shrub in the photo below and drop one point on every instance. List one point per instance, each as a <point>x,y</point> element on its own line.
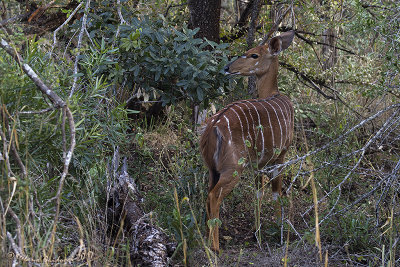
<point>166,63</point>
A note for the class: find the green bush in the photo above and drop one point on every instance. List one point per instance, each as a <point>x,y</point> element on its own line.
<point>161,62</point>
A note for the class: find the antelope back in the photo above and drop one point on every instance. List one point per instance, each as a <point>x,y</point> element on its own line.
<point>257,128</point>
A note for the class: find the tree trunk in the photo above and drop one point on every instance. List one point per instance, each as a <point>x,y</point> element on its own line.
<point>329,51</point>
<point>205,14</point>
<point>255,11</point>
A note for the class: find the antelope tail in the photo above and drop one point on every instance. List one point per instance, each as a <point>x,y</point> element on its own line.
<point>211,147</point>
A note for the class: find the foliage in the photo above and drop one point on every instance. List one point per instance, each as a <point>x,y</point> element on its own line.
<point>163,62</point>
<point>355,167</point>
<point>101,124</point>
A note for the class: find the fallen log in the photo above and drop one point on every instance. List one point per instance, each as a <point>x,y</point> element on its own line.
<point>149,246</point>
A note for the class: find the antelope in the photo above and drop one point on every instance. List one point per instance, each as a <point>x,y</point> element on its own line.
<point>258,130</point>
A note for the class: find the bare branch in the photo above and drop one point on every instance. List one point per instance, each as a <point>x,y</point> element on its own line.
<point>122,21</point>
<point>171,6</point>
<point>362,150</point>
<point>275,26</point>
<point>67,160</point>
<point>38,12</point>
<point>57,102</point>
<point>240,24</point>
<point>36,112</point>
<point>121,18</point>
<point>54,98</point>
<point>5,154</point>
<point>329,144</point>
<point>15,18</point>
<point>83,27</point>
<point>310,42</point>
<point>313,84</point>
<point>62,25</point>
<point>13,245</point>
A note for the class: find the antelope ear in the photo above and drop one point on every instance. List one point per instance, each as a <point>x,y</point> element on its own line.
<point>280,43</point>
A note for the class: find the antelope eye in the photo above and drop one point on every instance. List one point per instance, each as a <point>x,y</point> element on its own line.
<point>254,55</point>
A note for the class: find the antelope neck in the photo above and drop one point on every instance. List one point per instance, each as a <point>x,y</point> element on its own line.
<point>267,83</point>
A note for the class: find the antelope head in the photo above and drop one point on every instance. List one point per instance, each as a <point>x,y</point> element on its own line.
<point>257,61</point>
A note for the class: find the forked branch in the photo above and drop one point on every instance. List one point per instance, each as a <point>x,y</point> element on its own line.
<point>58,103</point>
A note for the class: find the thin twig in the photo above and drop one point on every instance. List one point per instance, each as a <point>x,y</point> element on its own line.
<point>36,111</point>
<point>5,152</point>
<point>275,26</point>
<point>67,161</point>
<point>38,12</point>
<point>18,227</point>
<point>78,47</point>
<point>311,42</point>
<point>171,6</point>
<point>270,169</point>
<point>313,84</point>
<point>18,17</point>
<point>62,25</point>
<point>363,149</point>
<point>13,245</point>
<point>121,18</point>
<point>5,115</point>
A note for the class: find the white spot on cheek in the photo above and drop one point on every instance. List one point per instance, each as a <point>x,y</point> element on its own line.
<point>252,71</point>
<point>230,142</point>
<point>256,63</point>
<point>243,57</point>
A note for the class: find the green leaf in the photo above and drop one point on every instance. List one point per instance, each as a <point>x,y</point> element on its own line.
<point>211,223</point>
<point>247,142</point>
<point>79,74</point>
<point>242,161</point>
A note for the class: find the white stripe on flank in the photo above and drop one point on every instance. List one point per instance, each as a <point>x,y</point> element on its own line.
<point>248,125</point>
<point>277,118</point>
<point>253,122</point>
<point>290,114</point>
<point>272,132</point>
<point>289,110</point>
<point>229,128</point>
<point>241,125</point>
<point>283,116</point>
<point>262,132</point>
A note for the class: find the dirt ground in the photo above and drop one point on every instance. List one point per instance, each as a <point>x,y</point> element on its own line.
<point>236,256</point>
<point>297,256</point>
<point>239,246</point>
